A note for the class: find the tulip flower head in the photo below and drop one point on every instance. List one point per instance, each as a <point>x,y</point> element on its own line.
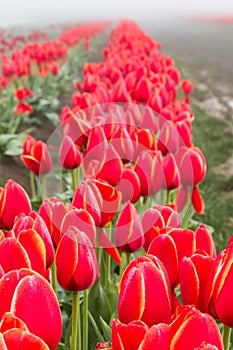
<point>36,158</point>
<point>144,281</point>
<point>76,262</point>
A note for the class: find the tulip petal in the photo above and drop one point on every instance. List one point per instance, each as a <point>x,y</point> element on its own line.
<point>42,314</point>
<point>132,297</point>
<point>158,337</point>
<point>21,340</point>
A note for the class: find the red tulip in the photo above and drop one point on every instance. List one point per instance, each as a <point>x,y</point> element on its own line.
<point>19,339</point>
<point>12,193</point>
<point>52,211</point>
<point>87,196</point>
<point>171,172</point>
<point>13,255</point>
<point>186,86</point>
<point>23,93</point>
<point>128,336</point>
<point>194,273</point>
<point>77,267</point>
<point>80,219</point>
<point>123,143</point>
<point>156,218</point>
<point>69,155</point>
<point>219,287</point>
<point>75,127</point>
<point>149,169</point>
<point>144,282</point>
<point>112,167</point>
<point>191,164</point>
<point>169,139</point>
<point>202,327</point>
<point>28,251</point>
<point>38,160</point>
<point>171,250</point>
<point>35,222</point>
<point>23,108</point>
<point>30,297</point>
<point>204,240</point>
<point>128,235</point>
<point>158,336</point>
<point>9,321</point>
<point>142,90</point>
<point>129,185</point>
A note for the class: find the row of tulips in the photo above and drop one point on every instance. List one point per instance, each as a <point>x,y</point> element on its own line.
<point>32,70</point>
<point>130,175</point>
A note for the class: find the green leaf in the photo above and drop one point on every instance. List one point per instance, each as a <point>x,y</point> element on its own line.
<point>112,295</point>
<point>107,330</point>
<point>99,303</point>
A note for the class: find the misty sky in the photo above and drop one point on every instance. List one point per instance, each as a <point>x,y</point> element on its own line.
<point>62,10</point>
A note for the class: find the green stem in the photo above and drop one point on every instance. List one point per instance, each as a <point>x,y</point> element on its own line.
<point>33,185</point>
<point>43,187</point>
<point>74,175</point>
<point>168,197</point>
<point>85,320</point>
<point>226,337</point>
<point>127,259</point>
<point>108,257</point>
<point>54,277</point>
<point>75,335</point>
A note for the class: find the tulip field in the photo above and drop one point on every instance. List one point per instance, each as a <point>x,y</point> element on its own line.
<point>102,239</point>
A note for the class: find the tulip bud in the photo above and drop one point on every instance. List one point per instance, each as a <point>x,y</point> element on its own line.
<point>29,297</point>
<point>158,335</point>
<point>201,325</point>
<point>128,235</point>
<point>129,185</point>
<point>13,201</point>
<point>191,164</point>
<point>69,155</point>
<point>35,222</point>
<point>52,211</point>
<point>219,287</point>
<point>38,160</point>
<point>186,86</point>
<point>144,281</point>
<point>76,262</point>
<point>194,273</point>
<point>128,336</point>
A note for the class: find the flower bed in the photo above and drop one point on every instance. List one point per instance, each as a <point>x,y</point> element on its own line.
<point>106,249</point>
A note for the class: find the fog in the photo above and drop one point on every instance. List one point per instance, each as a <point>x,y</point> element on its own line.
<point>52,11</point>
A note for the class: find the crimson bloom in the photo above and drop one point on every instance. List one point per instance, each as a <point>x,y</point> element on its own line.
<point>186,86</point>
<point>42,316</point>
<point>219,287</point>
<point>128,336</point>
<point>69,154</point>
<point>37,159</point>
<point>12,193</point>
<point>52,211</point>
<point>34,222</point>
<point>144,281</point>
<point>194,273</point>
<point>77,267</point>
<point>128,235</point>
<point>23,93</point>
<point>23,108</point>
<point>202,326</point>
